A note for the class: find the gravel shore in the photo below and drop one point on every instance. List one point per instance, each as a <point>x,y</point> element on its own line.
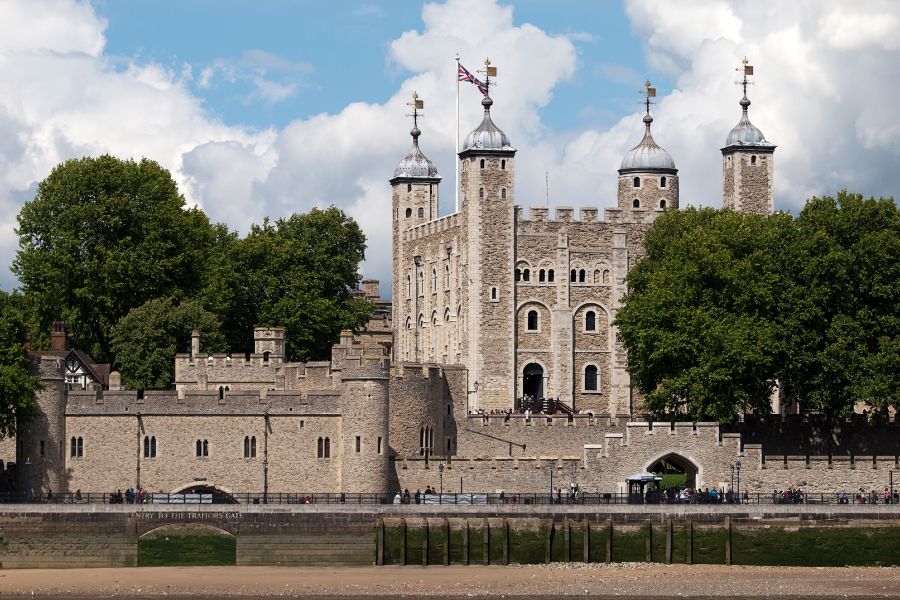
<point>556,580</point>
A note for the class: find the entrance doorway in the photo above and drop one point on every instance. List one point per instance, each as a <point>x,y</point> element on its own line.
<point>533,381</point>
<point>675,470</point>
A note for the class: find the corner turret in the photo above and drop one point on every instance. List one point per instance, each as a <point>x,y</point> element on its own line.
<point>748,162</point>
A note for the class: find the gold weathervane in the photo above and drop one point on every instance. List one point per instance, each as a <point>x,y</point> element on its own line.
<point>745,69</point>
<point>417,105</point>
<point>648,92</point>
<point>489,72</point>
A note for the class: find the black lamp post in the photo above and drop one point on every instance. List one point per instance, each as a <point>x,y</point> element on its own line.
<point>27,480</point>
<point>552,464</point>
<point>737,470</point>
<point>732,478</point>
<point>441,471</point>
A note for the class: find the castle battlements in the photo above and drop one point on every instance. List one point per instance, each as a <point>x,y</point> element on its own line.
<point>428,228</point>
<point>202,403</point>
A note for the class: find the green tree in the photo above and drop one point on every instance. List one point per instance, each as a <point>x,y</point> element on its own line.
<point>101,237</point>
<point>296,273</point>
<point>17,386</point>
<point>702,318</point>
<point>147,339</point>
<point>843,321</point>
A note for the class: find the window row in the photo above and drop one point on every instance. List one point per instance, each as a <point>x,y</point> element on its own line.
<point>533,321</point>
<point>481,193</point>
<point>502,163</point>
<point>420,281</point>
<point>637,203</point>
<point>543,275</point>
<point>638,182</point>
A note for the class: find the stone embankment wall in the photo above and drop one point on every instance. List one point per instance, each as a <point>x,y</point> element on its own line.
<point>95,536</point>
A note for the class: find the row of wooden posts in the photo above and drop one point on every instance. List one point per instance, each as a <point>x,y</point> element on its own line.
<point>565,527</point>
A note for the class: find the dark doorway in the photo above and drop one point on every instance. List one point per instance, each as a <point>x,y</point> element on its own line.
<point>533,381</point>
<point>676,471</point>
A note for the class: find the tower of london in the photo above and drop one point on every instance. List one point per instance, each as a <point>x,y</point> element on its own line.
<point>497,357</point>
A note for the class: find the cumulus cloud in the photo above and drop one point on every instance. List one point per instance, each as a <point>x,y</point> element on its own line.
<point>824,94</point>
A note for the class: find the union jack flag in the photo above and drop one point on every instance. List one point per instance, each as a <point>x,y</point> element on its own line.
<point>464,75</point>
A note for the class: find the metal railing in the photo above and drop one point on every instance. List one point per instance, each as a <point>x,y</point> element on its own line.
<point>598,499</point>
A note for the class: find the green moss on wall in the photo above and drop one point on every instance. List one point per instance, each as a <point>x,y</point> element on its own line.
<point>187,550</point>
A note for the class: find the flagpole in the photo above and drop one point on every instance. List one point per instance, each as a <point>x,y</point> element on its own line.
<point>457,132</point>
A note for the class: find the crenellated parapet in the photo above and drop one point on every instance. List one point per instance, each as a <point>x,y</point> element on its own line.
<point>429,228</point>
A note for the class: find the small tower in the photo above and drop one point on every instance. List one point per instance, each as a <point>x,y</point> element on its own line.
<point>414,200</point>
<point>648,179</point>
<point>748,162</point>
<point>487,180</point>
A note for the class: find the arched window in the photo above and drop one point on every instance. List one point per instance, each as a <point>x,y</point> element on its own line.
<point>408,187</point>
<point>636,182</point>
<point>636,203</point>
<point>662,203</point>
<point>481,193</point>
<point>320,448</point>
<point>503,193</point>
<point>590,378</point>
<point>408,286</point>
<point>753,160</point>
<point>581,276</point>
<point>447,276</point>
<point>542,275</point>
<point>574,276</point>
<point>199,448</point>
<point>408,213</point>
<point>662,181</point>
<point>597,276</point>
<point>493,293</point>
<point>253,446</point>
<point>205,447</point>
<point>518,274</point>
<point>221,393</point>
<point>433,279</point>
<point>503,164</point>
<point>73,447</point>
<point>590,321</point>
<point>482,163</point>
<point>532,320</point>
<point>526,275</point>
<point>421,213</point>
<point>605,275</point>
<point>420,285</point>
<point>149,447</point>
<point>327,447</point>
<point>246,446</point>
<point>550,275</point>
<point>266,356</point>
<point>80,447</point>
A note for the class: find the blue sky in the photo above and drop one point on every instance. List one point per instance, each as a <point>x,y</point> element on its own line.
<point>340,55</point>
<point>265,108</point>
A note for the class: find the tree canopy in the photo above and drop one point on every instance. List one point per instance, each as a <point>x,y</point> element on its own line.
<point>724,305</point>
<point>101,237</point>
<point>109,247</point>
<point>296,273</point>
<point>146,340</point>
<point>17,386</point>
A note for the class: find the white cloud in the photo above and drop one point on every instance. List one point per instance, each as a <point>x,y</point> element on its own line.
<point>824,94</point>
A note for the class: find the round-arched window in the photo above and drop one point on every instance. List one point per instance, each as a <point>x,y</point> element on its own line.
<point>532,320</point>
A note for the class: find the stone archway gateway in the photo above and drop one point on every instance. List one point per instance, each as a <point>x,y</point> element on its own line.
<point>533,380</point>
<point>673,463</point>
<point>219,495</point>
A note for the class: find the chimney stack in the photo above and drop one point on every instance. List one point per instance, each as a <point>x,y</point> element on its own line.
<point>59,337</point>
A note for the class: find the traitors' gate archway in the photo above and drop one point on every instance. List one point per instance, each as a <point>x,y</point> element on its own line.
<point>675,464</point>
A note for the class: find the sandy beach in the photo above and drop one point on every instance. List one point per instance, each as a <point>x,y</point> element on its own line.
<point>636,579</point>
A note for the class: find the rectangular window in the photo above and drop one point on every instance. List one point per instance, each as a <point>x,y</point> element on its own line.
<point>358,444</point>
